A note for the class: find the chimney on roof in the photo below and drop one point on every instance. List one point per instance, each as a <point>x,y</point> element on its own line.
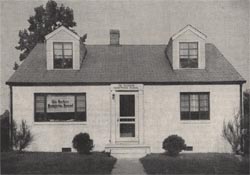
<point>114,37</point>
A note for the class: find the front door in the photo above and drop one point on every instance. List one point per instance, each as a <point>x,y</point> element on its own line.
<point>127,117</point>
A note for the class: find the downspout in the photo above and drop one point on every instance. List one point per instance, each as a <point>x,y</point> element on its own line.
<point>11,118</point>
<point>241,119</point>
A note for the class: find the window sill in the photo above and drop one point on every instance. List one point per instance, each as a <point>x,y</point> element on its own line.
<point>60,123</point>
<point>195,122</point>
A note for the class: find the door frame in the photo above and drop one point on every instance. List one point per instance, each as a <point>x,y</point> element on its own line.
<point>115,90</point>
<point>118,138</point>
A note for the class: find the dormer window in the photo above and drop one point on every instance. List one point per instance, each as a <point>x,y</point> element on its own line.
<point>188,54</point>
<point>186,49</point>
<point>63,55</point>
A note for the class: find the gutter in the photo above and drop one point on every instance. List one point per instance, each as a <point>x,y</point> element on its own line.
<point>127,82</point>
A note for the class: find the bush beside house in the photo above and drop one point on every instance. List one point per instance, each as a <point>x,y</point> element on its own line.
<point>173,144</point>
<point>82,143</point>
<point>5,132</point>
<point>246,123</point>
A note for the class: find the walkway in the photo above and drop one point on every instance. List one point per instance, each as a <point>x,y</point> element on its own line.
<point>128,166</point>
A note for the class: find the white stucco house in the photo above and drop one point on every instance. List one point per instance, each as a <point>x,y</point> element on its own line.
<point>129,98</point>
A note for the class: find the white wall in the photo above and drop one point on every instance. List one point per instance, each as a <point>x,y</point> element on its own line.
<point>189,36</point>
<point>62,36</point>
<point>162,116</point>
<point>52,137</point>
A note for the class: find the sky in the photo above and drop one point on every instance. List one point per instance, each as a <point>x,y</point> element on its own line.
<point>225,22</point>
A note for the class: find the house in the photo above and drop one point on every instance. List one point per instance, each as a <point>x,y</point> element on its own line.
<point>129,98</point>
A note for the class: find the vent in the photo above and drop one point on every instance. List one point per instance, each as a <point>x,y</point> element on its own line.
<point>66,149</point>
<point>188,148</point>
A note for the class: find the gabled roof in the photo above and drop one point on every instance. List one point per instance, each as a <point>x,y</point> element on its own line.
<point>192,29</point>
<point>60,29</point>
<point>105,64</point>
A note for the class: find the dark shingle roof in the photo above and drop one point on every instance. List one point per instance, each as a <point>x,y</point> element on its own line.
<point>105,64</point>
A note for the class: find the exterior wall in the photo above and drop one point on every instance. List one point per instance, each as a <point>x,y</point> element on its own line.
<point>63,36</point>
<point>51,136</point>
<point>162,116</point>
<point>189,36</point>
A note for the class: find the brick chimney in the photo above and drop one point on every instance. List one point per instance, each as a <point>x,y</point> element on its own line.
<point>114,37</point>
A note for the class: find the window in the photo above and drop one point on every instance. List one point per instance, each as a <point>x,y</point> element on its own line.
<point>194,106</point>
<point>127,105</point>
<point>63,55</point>
<point>188,54</point>
<point>60,107</point>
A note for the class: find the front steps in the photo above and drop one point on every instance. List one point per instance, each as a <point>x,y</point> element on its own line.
<point>127,150</point>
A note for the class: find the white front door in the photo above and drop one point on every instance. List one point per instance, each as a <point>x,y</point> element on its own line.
<point>127,117</point>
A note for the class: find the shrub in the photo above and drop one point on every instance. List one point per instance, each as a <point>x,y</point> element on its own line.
<point>246,124</point>
<point>5,129</point>
<point>232,133</point>
<point>22,137</point>
<point>173,144</point>
<point>82,143</point>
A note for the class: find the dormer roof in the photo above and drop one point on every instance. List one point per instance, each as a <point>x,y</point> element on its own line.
<point>62,28</point>
<point>189,28</point>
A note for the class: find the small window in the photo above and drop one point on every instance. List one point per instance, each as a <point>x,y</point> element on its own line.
<point>63,55</point>
<point>194,106</point>
<point>188,54</point>
<point>60,107</point>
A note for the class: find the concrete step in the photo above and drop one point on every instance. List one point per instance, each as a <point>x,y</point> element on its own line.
<point>127,150</point>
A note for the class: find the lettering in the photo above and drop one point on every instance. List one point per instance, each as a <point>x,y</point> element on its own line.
<point>60,103</point>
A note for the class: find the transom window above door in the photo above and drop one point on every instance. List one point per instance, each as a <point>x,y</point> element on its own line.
<point>63,55</point>
<point>188,54</point>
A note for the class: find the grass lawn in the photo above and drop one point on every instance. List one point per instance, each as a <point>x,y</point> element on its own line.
<point>195,163</point>
<point>55,163</point>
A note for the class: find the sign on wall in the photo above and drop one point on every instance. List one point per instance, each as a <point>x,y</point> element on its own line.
<point>62,103</point>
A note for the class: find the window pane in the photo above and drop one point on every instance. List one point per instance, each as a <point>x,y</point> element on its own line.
<point>67,52</point>
<point>183,45</point>
<point>127,105</point>
<point>127,130</point>
<point>58,46</point>
<point>184,57</point>
<point>193,63</point>
<point>193,57</point>
<point>193,45</point>
<point>204,115</point>
<point>58,52</point>
<point>185,116</point>
<point>184,63</point>
<point>80,101</point>
<point>204,102</point>
<point>67,46</point>
<point>184,103</point>
<point>58,63</point>
<point>193,52</point>
<point>67,63</point>
<point>40,104</point>
<point>194,103</point>
<point>194,115</point>
<point>183,52</point>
